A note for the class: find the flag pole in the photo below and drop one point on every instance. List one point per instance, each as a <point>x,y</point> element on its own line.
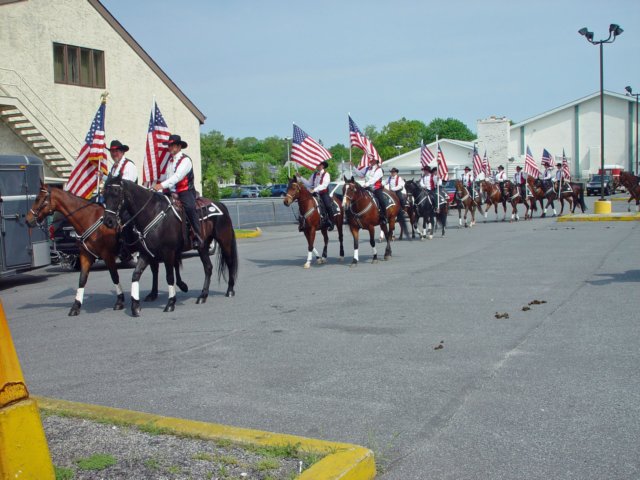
<point>438,171</point>
<point>349,143</point>
<point>103,100</point>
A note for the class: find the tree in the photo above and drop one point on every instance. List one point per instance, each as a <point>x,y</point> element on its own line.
<point>399,137</point>
<point>449,128</point>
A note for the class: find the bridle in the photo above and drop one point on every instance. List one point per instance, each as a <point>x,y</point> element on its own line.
<point>120,206</point>
<point>44,203</point>
<point>292,198</point>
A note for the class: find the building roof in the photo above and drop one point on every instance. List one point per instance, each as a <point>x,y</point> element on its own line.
<point>147,59</point>
<point>572,104</point>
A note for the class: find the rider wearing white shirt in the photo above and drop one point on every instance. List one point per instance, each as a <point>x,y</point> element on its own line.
<point>318,184</point>
<point>500,178</point>
<point>395,183</point>
<point>519,181</point>
<point>559,176</point>
<point>373,181</point>
<point>467,180</point>
<point>122,166</point>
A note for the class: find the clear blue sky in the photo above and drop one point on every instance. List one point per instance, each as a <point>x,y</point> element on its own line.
<point>254,67</point>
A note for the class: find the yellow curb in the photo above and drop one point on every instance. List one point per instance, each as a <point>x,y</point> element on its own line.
<point>619,199</point>
<point>23,446</point>
<point>254,234</point>
<point>608,217</point>
<point>343,461</point>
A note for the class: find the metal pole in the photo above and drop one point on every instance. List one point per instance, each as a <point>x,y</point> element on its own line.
<point>637,95</point>
<point>288,159</point>
<point>601,128</point>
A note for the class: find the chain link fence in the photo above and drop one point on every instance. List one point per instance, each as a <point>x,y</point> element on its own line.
<point>251,213</point>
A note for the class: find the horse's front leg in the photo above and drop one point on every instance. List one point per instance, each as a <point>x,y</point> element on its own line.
<point>115,278</point>
<point>387,251</point>
<point>86,260</point>
<point>340,225</point>
<point>171,281</point>
<point>203,252</point>
<point>135,285</point>
<point>310,233</point>
<point>355,233</point>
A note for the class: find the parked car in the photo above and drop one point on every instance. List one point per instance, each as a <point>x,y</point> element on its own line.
<point>279,190</point>
<point>450,187</point>
<point>244,192</point>
<point>594,186</point>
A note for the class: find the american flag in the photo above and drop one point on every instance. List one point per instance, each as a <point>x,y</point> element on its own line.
<point>547,158</point>
<point>530,166</point>
<point>156,154</point>
<point>358,139</point>
<point>426,157</point>
<point>485,165</point>
<point>443,170</point>
<point>566,174</point>
<point>92,158</point>
<point>477,163</point>
<point>306,151</point>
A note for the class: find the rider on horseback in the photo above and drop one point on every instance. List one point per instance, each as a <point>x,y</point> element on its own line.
<point>373,181</point>
<point>126,169</point>
<point>467,181</point>
<point>519,182</point>
<point>501,177</point>
<point>319,184</point>
<point>548,177</point>
<point>427,181</point>
<point>179,179</point>
<point>559,178</point>
<point>395,183</point>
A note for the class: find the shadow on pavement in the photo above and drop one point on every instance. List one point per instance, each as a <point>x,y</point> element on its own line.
<point>628,276</point>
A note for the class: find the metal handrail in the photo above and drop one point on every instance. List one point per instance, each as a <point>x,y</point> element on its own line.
<point>44,117</point>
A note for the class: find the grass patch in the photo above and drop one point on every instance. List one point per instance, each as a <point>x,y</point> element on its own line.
<point>227,460</point>
<point>153,429</point>
<point>98,461</point>
<point>174,469</point>
<point>267,464</point>
<point>152,463</point>
<point>223,443</point>
<point>64,473</point>
<point>203,456</point>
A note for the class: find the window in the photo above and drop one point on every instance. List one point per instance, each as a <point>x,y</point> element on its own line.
<point>78,66</point>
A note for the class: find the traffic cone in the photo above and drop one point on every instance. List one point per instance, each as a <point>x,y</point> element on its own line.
<point>24,453</point>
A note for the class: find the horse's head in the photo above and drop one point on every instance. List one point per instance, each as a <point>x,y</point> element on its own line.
<point>350,191</point>
<point>411,187</point>
<point>459,187</point>
<point>628,179</point>
<point>113,194</point>
<point>42,206</point>
<point>293,191</point>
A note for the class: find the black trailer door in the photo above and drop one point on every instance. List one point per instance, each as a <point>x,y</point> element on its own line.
<point>14,205</point>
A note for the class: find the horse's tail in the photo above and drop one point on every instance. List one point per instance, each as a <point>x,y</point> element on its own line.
<point>228,257</point>
<point>581,197</point>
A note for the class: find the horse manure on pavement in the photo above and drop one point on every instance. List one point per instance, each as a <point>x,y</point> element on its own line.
<point>440,346</point>
<point>502,315</point>
<point>525,308</point>
<point>537,302</point>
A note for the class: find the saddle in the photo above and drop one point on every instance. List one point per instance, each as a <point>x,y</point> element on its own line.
<point>205,208</point>
<point>388,201</point>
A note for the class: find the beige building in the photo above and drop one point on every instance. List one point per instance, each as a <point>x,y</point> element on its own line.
<point>56,59</point>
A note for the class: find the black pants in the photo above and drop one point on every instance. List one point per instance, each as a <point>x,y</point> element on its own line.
<point>501,185</point>
<point>401,198</point>
<point>523,192</point>
<point>379,193</point>
<point>326,201</point>
<point>188,199</point>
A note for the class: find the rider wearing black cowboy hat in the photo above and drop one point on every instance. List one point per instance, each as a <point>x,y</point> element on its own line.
<point>373,181</point>
<point>122,166</point>
<point>319,184</point>
<point>519,181</point>
<point>179,178</point>
<point>501,177</point>
<point>395,183</point>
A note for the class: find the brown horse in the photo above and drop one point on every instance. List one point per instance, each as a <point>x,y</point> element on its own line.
<point>515,198</point>
<point>310,220</point>
<point>550,194</point>
<point>361,212</point>
<point>96,240</point>
<point>494,197</point>
<point>631,183</point>
<point>469,201</point>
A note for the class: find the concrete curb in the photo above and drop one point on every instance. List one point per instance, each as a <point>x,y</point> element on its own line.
<point>605,217</point>
<point>253,234</point>
<point>343,461</point>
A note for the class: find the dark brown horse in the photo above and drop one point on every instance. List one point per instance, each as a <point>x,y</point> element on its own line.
<point>310,220</point>
<point>566,194</point>
<point>469,201</point>
<point>96,240</point>
<point>515,198</point>
<point>361,212</point>
<point>411,214</point>
<point>163,238</point>
<point>494,197</point>
<point>631,183</point>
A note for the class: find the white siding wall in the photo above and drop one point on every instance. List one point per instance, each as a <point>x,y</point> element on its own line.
<point>493,136</point>
<point>26,37</point>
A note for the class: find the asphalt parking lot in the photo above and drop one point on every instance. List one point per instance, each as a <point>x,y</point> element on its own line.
<point>353,354</point>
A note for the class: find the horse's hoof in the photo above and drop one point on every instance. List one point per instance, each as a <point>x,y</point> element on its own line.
<point>201,299</point>
<point>230,293</point>
<point>341,259</point>
<point>75,309</point>
<point>171,305</point>
<point>430,237</point>
<point>375,260</point>
<point>321,261</point>
<point>119,302</point>
<point>135,308</point>
<point>183,286</point>
<point>354,263</point>
<point>307,265</point>
<point>387,256</point>
<point>151,297</point>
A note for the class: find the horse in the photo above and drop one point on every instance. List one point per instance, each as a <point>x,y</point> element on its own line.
<point>469,202</point>
<point>630,182</point>
<point>361,212</point>
<point>551,195</point>
<point>515,197</point>
<point>494,197</point>
<point>97,241</point>
<point>427,210</point>
<point>411,214</point>
<point>310,220</point>
<point>162,237</point>
<point>577,194</point>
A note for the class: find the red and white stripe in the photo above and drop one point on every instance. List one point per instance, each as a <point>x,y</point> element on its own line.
<point>306,151</point>
<point>426,157</point>
<point>477,163</point>
<point>443,170</point>
<point>530,165</point>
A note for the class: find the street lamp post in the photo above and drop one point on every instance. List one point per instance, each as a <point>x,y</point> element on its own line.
<point>286,139</point>
<point>630,92</point>
<point>614,31</point>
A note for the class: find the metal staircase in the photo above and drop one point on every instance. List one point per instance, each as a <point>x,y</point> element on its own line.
<point>29,117</point>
